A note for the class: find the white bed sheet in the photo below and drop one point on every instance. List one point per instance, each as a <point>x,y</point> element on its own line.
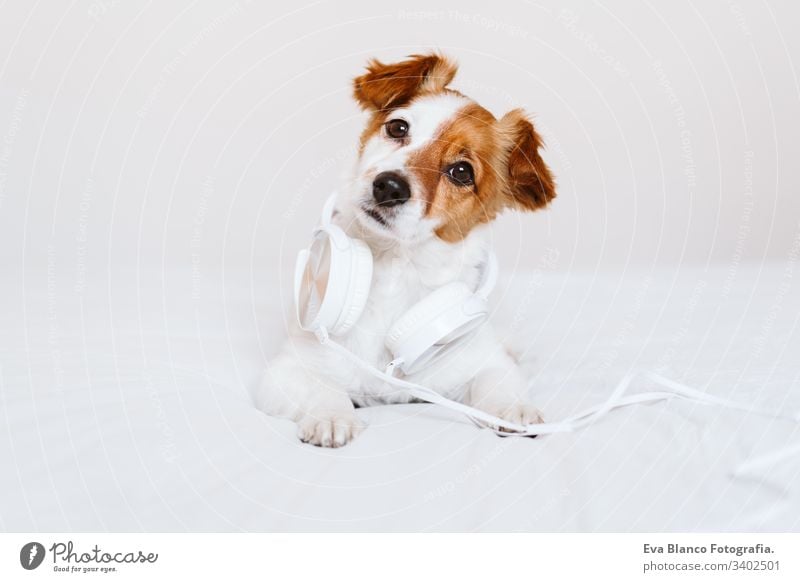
<point>125,405</point>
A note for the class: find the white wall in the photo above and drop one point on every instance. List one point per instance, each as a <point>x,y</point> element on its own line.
<point>214,130</point>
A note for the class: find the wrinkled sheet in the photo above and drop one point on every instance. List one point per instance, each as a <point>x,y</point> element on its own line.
<point>126,404</point>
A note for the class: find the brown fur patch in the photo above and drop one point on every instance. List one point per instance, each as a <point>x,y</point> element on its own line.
<point>470,136</point>
<point>390,86</point>
<point>509,171</point>
<point>531,184</point>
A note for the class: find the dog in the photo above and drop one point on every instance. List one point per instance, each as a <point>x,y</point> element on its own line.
<point>433,169</point>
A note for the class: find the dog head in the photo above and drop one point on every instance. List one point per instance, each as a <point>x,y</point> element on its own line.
<point>432,162</point>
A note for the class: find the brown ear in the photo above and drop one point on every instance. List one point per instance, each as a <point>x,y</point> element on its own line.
<point>389,86</point>
<point>531,185</point>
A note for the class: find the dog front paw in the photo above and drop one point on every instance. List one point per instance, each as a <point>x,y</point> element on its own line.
<point>330,429</point>
<point>518,413</point>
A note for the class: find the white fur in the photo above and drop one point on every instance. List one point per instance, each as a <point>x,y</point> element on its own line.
<point>311,385</point>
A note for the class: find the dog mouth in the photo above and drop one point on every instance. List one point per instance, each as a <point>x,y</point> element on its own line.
<point>375,215</point>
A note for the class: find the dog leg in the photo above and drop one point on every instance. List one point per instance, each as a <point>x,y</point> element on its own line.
<point>500,390</point>
<point>324,414</point>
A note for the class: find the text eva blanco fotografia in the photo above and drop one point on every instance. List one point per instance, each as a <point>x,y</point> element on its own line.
<point>707,549</point>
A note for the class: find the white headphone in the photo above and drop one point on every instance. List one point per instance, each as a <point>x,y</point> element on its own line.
<point>332,282</point>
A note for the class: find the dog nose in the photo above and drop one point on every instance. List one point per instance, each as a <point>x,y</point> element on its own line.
<point>390,189</point>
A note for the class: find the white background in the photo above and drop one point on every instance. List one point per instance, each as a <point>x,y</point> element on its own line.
<point>162,130</point>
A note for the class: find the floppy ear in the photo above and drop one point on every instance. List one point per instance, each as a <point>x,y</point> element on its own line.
<point>531,185</point>
<point>389,86</point>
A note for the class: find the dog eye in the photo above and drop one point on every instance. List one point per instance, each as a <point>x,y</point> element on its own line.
<point>396,128</point>
<point>461,174</point>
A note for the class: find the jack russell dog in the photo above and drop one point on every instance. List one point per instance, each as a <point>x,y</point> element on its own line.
<point>433,169</point>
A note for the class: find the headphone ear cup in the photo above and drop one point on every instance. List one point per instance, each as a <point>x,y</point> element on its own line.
<point>424,310</point>
<point>358,287</point>
<point>430,321</point>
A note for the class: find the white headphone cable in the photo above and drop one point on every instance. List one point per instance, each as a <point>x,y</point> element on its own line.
<point>589,416</point>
